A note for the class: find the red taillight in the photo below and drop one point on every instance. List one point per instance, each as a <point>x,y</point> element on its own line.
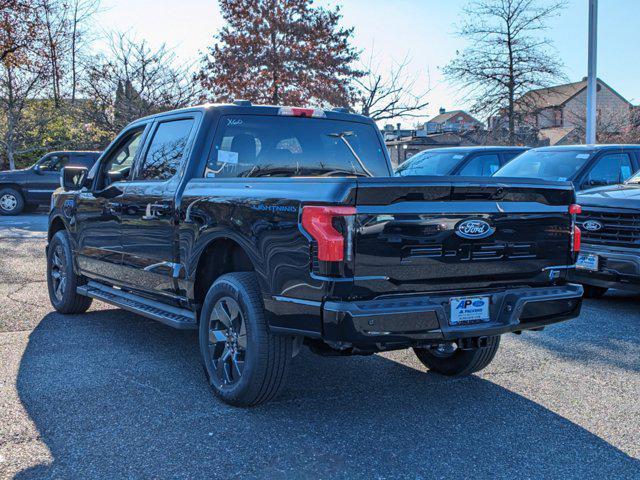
<point>318,222</point>
<point>577,238</point>
<point>575,209</point>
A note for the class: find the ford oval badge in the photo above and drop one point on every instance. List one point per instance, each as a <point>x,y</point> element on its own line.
<point>592,225</point>
<point>474,228</point>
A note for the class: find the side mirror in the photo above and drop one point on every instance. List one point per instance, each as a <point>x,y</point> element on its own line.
<point>73,178</point>
<point>37,168</point>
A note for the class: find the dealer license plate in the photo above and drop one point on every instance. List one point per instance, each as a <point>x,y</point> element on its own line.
<point>468,310</point>
<point>587,261</point>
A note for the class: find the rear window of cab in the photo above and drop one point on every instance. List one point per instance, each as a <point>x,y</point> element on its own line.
<point>289,146</point>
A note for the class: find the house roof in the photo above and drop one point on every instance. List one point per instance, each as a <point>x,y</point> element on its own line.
<point>586,148</point>
<point>479,148</point>
<point>443,117</point>
<point>555,96</point>
<point>555,134</point>
<point>437,139</point>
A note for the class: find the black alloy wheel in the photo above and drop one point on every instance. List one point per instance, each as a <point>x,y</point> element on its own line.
<point>245,363</point>
<point>58,272</point>
<point>227,341</point>
<point>62,280</point>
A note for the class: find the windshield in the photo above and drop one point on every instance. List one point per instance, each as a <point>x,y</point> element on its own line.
<point>278,146</point>
<point>547,165</point>
<point>430,163</point>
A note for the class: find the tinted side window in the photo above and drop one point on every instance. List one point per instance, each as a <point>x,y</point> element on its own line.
<point>610,169</point>
<point>117,166</point>
<point>54,163</point>
<point>166,150</point>
<point>481,166</point>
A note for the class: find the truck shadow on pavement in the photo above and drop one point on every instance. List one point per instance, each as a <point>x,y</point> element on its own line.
<point>114,395</point>
<point>605,334</point>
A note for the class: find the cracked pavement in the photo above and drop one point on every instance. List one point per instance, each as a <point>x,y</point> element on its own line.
<point>109,394</point>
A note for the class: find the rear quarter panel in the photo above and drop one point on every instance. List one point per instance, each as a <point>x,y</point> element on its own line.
<point>262,216</point>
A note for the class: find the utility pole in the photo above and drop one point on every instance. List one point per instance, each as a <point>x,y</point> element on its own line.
<point>592,72</point>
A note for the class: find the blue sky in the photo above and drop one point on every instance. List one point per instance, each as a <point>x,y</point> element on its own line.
<point>423,29</point>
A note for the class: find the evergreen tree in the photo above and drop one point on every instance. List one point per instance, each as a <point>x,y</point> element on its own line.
<point>280,52</point>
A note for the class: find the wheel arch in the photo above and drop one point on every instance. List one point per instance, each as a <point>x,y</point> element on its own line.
<point>55,225</point>
<point>15,186</point>
<point>220,255</point>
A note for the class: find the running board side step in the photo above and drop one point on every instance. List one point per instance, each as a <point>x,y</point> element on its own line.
<point>167,314</point>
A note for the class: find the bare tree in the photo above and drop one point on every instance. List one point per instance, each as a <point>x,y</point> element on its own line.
<point>56,31</point>
<point>22,71</point>
<point>17,27</point>
<point>81,12</point>
<point>133,80</point>
<point>612,126</point>
<point>40,41</point>
<point>507,55</point>
<point>390,95</point>
<point>18,83</point>
<point>629,134</point>
<point>64,23</point>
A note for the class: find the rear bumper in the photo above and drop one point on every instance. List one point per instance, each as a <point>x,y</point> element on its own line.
<point>618,269</point>
<point>425,319</point>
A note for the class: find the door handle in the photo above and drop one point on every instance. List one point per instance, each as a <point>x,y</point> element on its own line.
<point>113,207</point>
<point>155,210</point>
<point>160,207</point>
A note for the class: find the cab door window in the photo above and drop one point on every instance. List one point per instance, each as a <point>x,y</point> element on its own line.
<point>610,169</point>
<point>166,150</point>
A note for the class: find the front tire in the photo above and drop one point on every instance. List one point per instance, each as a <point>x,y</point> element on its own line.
<point>62,280</point>
<point>11,201</point>
<point>458,362</point>
<point>246,365</point>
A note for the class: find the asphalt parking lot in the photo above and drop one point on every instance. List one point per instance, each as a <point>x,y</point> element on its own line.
<point>109,394</point>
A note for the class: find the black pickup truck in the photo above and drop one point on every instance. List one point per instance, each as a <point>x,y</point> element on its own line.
<point>27,188</point>
<point>610,225</point>
<point>269,228</point>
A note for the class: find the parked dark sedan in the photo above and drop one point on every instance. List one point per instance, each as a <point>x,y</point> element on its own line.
<point>33,186</point>
<point>467,161</point>
<point>586,166</point>
<point>610,225</point>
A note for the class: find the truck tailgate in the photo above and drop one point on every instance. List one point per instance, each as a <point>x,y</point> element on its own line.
<point>431,233</point>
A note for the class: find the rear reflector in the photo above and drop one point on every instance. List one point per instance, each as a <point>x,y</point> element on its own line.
<point>575,209</point>
<point>301,112</point>
<point>577,239</point>
<point>317,222</point>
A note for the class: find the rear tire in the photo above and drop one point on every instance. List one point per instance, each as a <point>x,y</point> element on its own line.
<point>460,362</point>
<point>62,280</point>
<point>246,365</point>
<point>591,291</point>
<point>11,201</point>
